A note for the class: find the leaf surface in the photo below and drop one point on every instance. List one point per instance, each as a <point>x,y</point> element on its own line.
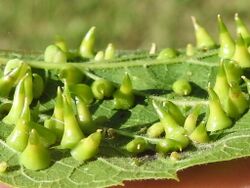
<point>152,79</point>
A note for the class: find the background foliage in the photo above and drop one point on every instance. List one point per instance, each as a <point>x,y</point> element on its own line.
<point>129,24</point>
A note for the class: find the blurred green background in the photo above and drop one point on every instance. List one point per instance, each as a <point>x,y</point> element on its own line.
<point>129,24</point>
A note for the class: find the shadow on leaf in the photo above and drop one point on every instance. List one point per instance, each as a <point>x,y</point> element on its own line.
<point>197,91</point>
<point>156,91</point>
<point>119,118</point>
<point>13,168</point>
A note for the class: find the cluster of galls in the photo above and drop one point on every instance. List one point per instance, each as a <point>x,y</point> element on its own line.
<point>71,120</point>
<point>172,133</point>
<point>33,140</point>
<point>229,49</point>
<point>227,102</point>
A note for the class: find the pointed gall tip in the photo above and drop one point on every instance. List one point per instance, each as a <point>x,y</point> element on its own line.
<point>33,137</point>
<point>110,45</point>
<point>152,50</point>
<point>219,19</point>
<point>126,80</point>
<point>26,75</point>
<point>195,24</point>
<point>77,99</point>
<point>222,26</point>
<point>92,29</point>
<point>59,90</point>
<point>154,104</point>
<point>126,74</point>
<point>90,33</point>
<point>65,83</point>
<point>65,101</point>
<point>33,131</point>
<point>221,62</point>
<point>239,40</point>
<point>186,92</point>
<point>209,85</point>
<point>99,130</point>
<point>244,78</point>
<point>236,16</point>
<point>193,19</point>
<point>101,91</point>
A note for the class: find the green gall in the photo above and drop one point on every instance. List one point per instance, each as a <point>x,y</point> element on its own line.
<point>180,137</point>
<point>191,120</point>
<point>84,117</point>
<point>87,45</point>
<point>167,145</point>
<point>241,54</point>
<point>182,87</point>
<point>56,122</point>
<point>203,39</point>
<point>102,88</point>
<point>88,147</point>
<point>124,97</point>
<point>72,133</point>
<point>221,86</point>
<point>126,85</point>
<point>242,29</point>
<point>217,118</point>
<point>167,53</point>
<point>71,74</point>
<point>17,104</point>
<point>60,42</point>
<point>28,86</point>
<point>167,120</point>
<point>190,51</point>
<point>109,52</point>
<point>37,85</point>
<point>83,111</point>
<point>82,91</point>
<point>8,81</point>
<point>46,136</point>
<point>67,93</point>
<point>238,99</point>
<point>175,112</point>
<point>53,54</point>
<point>227,45</point>
<point>19,136</point>
<point>155,130</point>
<point>14,63</point>
<point>35,156</point>
<point>137,145</point>
<point>123,101</point>
<point>99,56</point>
<point>233,71</point>
<point>199,135</point>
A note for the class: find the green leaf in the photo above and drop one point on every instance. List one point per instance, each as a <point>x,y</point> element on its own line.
<point>152,79</point>
<point>146,73</point>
